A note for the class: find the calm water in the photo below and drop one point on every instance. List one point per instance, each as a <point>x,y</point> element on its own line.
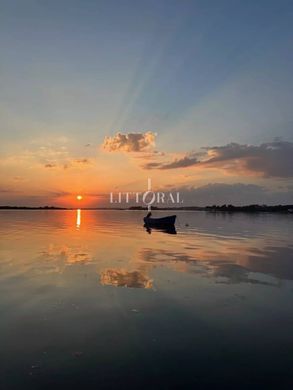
<point>91,300</point>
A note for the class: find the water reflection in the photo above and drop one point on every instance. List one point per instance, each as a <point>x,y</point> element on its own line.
<point>217,294</point>
<point>168,230</point>
<point>124,278</point>
<point>222,249</point>
<point>78,218</point>
<point>64,255</point>
<point>221,271</point>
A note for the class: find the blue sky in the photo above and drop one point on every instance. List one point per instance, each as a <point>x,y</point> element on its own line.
<point>197,73</point>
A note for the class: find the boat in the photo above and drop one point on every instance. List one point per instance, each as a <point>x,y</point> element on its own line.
<point>163,222</point>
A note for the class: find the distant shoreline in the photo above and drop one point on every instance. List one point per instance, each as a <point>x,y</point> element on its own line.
<point>213,209</point>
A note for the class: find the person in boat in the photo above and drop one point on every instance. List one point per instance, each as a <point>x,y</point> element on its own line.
<point>149,214</point>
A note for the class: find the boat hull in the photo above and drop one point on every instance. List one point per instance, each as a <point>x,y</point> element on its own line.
<point>160,222</point>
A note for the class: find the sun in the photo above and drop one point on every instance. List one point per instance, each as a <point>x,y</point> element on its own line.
<point>79,197</point>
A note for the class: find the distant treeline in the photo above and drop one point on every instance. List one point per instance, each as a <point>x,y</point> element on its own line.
<point>251,208</point>
<point>32,208</point>
<point>230,208</point>
<point>55,208</point>
<point>167,208</point>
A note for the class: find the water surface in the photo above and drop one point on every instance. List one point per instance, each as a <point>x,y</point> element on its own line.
<point>90,299</point>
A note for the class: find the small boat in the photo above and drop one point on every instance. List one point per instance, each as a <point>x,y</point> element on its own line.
<point>159,222</point>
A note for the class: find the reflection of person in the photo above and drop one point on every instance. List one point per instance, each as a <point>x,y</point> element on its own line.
<point>148,215</point>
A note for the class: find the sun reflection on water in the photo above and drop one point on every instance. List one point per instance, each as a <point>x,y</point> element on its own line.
<point>78,218</point>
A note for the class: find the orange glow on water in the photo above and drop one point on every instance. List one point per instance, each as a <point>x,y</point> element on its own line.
<point>78,218</point>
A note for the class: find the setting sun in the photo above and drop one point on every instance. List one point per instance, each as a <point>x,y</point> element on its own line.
<point>79,197</point>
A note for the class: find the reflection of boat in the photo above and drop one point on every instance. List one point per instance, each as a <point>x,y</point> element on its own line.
<point>164,222</point>
<point>169,229</point>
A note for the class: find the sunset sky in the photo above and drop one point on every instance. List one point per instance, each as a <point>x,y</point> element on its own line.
<point>99,96</point>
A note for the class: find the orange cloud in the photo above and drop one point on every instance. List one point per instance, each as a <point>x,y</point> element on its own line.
<point>131,142</point>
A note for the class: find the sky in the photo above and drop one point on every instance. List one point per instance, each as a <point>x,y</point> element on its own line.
<point>99,96</point>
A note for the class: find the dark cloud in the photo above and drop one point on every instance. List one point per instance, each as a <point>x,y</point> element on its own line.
<point>69,164</point>
<point>50,165</point>
<point>152,165</point>
<point>131,142</point>
<point>273,159</point>
<point>82,161</point>
<point>184,162</point>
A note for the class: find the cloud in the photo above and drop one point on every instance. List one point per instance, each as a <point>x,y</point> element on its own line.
<point>183,162</point>
<point>6,190</point>
<point>52,155</point>
<point>69,163</point>
<point>84,161</point>
<point>50,165</point>
<point>131,142</point>
<point>273,159</point>
<point>19,179</point>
